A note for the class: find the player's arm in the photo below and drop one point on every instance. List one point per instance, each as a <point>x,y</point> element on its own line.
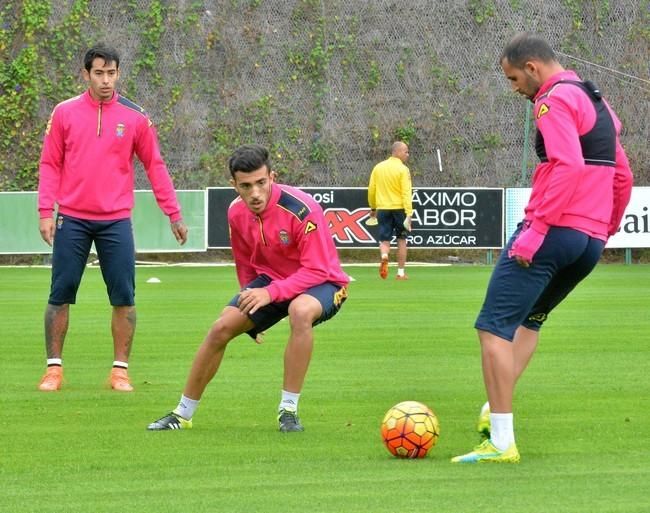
<point>241,252</point>
<point>49,175</point>
<point>148,151</point>
<point>372,192</point>
<point>623,181</point>
<point>407,197</point>
<point>407,192</point>
<point>311,235</point>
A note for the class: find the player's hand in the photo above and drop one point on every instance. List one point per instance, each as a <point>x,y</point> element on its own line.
<point>251,300</point>
<point>525,246</point>
<point>407,223</point>
<point>180,231</point>
<point>611,230</point>
<point>372,218</point>
<point>259,338</point>
<point>46,227</point>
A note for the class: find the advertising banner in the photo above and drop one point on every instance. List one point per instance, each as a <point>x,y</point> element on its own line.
<point>634,231</point>
<point>20,235</point>
<point>442,217</point>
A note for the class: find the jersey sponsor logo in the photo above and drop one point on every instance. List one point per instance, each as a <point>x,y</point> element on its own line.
<point>310,227</point>
<point>119,130</point>
<point>543,109</point>
<point>284,237</point>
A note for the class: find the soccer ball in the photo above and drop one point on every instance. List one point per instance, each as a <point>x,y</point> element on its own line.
<point>410,429</point>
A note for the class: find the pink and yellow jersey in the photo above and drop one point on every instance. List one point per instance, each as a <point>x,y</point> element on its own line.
<point>584,179</point>
<point>86,163</point>
<point>289,241</point>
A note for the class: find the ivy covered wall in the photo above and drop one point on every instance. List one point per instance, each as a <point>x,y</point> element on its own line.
<point>327,85</point>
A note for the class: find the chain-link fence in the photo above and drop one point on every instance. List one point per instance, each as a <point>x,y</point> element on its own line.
<point>328,85</point>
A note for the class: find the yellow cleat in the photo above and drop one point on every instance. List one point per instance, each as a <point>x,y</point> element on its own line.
<point>483,425</point>
<point>488,453</point>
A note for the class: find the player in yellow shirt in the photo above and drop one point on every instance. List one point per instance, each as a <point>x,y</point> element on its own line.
<point>389,197</point>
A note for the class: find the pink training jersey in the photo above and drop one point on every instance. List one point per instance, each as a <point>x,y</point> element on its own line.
<point>570,189</point>
<point>289,241</point>
<point>87,160</point>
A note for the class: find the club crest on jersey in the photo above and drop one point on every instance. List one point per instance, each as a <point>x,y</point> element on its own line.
<point>310,227</point>
<point>119,130</point>
<point>284,237</point>
<point>543,109</point>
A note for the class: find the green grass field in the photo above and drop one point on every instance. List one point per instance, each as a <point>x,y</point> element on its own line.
<point>582,413</point>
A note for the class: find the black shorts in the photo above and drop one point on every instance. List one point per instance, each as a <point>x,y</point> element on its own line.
<point>391,222</point>
<point>115,250</point>
<point>524,296</point>
<point>330,296</point>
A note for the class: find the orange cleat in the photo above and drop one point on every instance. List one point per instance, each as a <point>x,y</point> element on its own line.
<point>52,379</point>
<point>383,268</point>
<point>120,380</point>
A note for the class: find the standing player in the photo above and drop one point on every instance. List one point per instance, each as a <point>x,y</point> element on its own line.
<point>389,197</point>
<point>579,192</point>
<point>286,265</point>
<point>86,168</point>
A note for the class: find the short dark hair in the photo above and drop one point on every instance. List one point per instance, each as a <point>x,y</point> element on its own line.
<point>101,51</point>
<point>525,47</point>
<point>248,158</point>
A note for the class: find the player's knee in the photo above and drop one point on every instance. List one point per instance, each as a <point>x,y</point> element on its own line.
<point>304,313</point>
<point>493,345</point>
<point>216,339</point>
<point>221,332</point>
<point>63,293</point>
<point>225,328</point>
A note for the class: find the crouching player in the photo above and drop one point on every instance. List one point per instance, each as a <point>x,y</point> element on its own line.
<point>286,265</point>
